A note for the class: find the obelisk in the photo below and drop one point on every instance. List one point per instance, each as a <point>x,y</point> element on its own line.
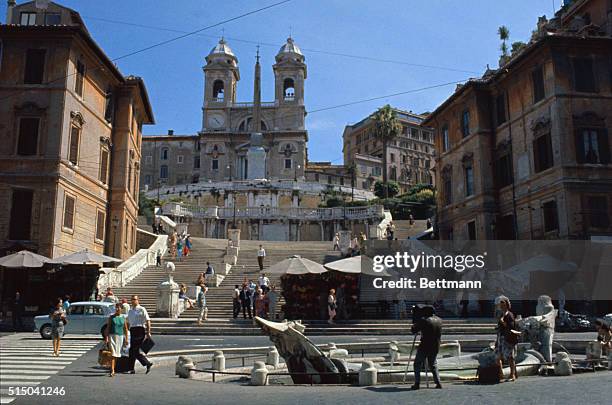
<point>256,155</point>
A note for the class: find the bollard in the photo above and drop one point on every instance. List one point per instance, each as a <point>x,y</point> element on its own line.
<point>563,364</point>
<point>368,374</point>
<point>218,361</point>
<point>272,358</point>
<point>259,374</point>
<point>593,352</point>
<point>393,352</point>
<point>183,367</point>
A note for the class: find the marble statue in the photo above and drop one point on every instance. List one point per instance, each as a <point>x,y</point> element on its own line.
<point>303,356</point>
<point>541,327</point>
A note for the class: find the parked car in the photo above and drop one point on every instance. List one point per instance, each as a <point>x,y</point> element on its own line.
<point>608,319</point>
<point>87,317</point>
<point>573,323</point>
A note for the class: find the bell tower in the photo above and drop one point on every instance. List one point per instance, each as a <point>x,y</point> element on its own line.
<point>221,75</point>
<point>289,75</point>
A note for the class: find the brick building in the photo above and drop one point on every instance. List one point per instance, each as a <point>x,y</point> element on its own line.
<point>524,151</point>
<point>410,156</point>
<point>71,128</point>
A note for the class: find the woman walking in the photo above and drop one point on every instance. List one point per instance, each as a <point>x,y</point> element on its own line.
<point>58,320</point>
<point>116,337</point>
<point>505,346</point>
<point>331,305</point>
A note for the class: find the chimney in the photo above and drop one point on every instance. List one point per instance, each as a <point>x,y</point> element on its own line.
<point>171,132</point>
<point>9,11</point>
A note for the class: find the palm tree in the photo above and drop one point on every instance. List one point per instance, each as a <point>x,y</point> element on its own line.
<point>504,35</point>
<point>386,128</point>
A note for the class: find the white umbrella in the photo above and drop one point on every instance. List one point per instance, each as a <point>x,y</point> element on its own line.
<point>356,265</point>
<point>85,256</point>
<point>24,258</point>
<point>296,265</point>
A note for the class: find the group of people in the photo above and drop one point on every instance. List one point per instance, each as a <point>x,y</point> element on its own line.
<point>390,231</point>
<point>257,299</point>
<point>357,243</point>
<point>179,245</point>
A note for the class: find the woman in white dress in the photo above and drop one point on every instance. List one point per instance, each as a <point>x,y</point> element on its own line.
<point>117,334</point>
<point>331,305</point>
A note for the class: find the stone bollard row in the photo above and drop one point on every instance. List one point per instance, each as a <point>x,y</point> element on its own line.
<point>368,374</point>
<point>272,358</point>
<point>259,374</point>
<point>218,361</point>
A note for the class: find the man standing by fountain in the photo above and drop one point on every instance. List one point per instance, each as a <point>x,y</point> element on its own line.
<point>430,326</point>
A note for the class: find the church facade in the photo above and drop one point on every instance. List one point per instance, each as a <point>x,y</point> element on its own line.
<point>219,152</point>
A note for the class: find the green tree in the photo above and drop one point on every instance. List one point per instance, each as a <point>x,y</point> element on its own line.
<point>146,207</point>
<point>386,128</point>
<point>504,35</point>
<point>386,189</point>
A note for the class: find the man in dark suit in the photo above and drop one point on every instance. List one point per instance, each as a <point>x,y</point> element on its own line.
<point>17,312</point>
<point>430,326</point>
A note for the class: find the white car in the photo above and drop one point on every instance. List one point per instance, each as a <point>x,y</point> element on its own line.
<point>87,317</point>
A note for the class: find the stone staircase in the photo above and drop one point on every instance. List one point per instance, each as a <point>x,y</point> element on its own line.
<point>403,229</point>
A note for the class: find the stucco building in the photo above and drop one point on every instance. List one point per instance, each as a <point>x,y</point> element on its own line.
<point>409,156</point>
<point>71,129</point>
<point>524,151</point>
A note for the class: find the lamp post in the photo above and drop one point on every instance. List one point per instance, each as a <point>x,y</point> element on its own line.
<point>298,167</point>
<point>115,222</point>
<point>229,169</point>
<point>158,187</point>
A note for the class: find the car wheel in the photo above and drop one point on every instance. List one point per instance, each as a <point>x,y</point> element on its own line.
<point>45,331</point>
<point>103,331</point>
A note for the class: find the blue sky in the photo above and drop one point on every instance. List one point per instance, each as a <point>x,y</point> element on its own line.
<point>459,35</point>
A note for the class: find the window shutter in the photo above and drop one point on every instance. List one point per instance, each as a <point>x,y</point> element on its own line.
<point>604,145</point>
<point>579,146</point>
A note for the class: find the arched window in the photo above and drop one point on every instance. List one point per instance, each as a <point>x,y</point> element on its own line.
<point>218,93</point>
<point>289,89</point>
<point>246,125</point>
<point>164,154</point>
<point>163,172</point>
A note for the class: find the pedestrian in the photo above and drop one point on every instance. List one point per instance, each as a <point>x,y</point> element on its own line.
<point>210,272</point>
<point>245,301</point>
<point>201,301</point>
<point>183,296</point>
<point>429,325</point>
<point>341,302</point>
<point>411,219</point>
<point>272,300</point>
<point>117,335</point>
<point>428,223</point>
<point>110,296</point>
<point>66,304</point>
<point>125,307</point>
<point>260,304</point>
<point>188,245</point>
<point>154,226</point>
<point>337,241</point>
<point>139,324</point>
<point>355,246</point>
<point>201,280</point>
<point>604,336</point>
<point>331,306</point>
<point>264,281</point>
<point>235,301</point>
<point>17,312</point>
<point>58,320</point>
<point>261,253</point>
<point>253,290</point>
<point>179,249</point>
<point>507,339</point>
<point>158,258</point>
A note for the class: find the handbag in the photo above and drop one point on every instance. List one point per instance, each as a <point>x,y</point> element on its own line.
<point>105,356</point>
<point>147,345</point>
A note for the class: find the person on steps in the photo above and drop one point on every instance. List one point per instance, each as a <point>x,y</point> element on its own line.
<point>429,325</point>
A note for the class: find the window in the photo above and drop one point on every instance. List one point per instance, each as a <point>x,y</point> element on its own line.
<point>164,154</point>
<point>103,175</point>
<point>584,75</point>
<point>392,155</point>
<point>27,144</point>
<point>21,214</point>
<point>148,160</point>
<point>69,203</point>
<point>329,179</point>
<point>551,221</point>
<point>76,309</point>
<point>537,77</point>
<point>27,18</point>
<point>445,140</point>
<point>129,177</point>
<point>73,152</point>
<point>127,235</point>
<point>148,179</point>
<point>215,164</point>
<point>592,146</point>
<point>597,211</point>
<point>80,76</point>
<point>53,18</point>
<point>317,177</point>
<point>471,230</point>
<point>447,182</point>
<point>342,181</point>
<point>414,133</point>
<point>469,180</point>
<point>218,92</point>
<point>427,163</point>
<point>196,162</point>
<point>288,163</point>
<point>500,104</point>
<point>163,172</point>
<point>393,174</point>
<point>289,89</point>
<point>542,152</point>
<point>505,228</point>
<point>465,123</point>
<point>100,225</point>
<point>180,159</point>
<point>34,66</point>
<point>503,170</point>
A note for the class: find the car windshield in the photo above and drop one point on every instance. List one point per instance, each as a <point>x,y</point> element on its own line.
<point>75,310</point>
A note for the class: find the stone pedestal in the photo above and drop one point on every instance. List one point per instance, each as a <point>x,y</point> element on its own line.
<point>225,269</point>
<point>345,241</point>
<point>272,358</point>
<point>256,156</point>
<point>231,251</point>
<point>183,367</point>
<point>167,305</point>
<point>368,374</point>
<point>215,280</point>
<point>218,361</point>
<point>234,236</point>
<point>563,364</point>
<point>231,260</point>
<point>259,374</point>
